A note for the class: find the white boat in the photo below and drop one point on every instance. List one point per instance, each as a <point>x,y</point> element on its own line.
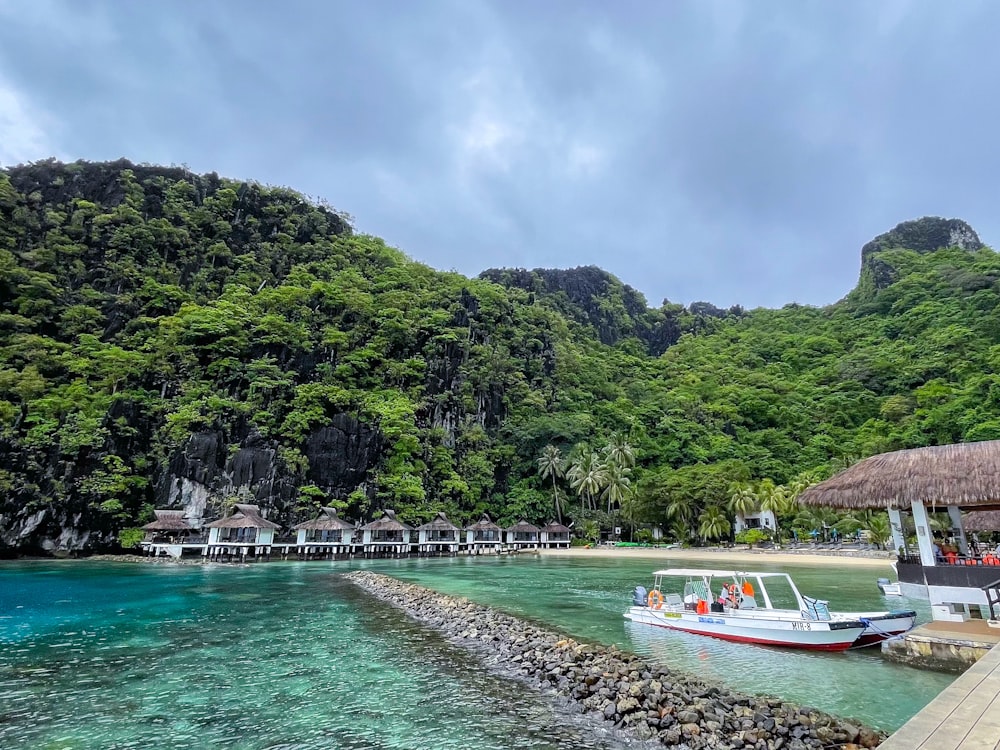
<point>888,588</point>
<point>736,606</point>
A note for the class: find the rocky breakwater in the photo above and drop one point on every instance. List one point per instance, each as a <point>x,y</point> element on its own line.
<point>646,700</point>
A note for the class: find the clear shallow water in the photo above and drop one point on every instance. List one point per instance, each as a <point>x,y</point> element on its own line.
<point>289,656</point>
<point>272,656</point>
<point>586,598</point>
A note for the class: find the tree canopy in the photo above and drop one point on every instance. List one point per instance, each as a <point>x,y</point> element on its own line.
<point>159,327</point>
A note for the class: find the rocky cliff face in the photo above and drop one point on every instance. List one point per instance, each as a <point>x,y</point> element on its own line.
<point>921,235</point>
<point>925,236</point>
<point>211,466</point>
<point>339,457</point>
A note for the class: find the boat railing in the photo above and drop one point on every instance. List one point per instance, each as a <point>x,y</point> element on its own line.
<point>992,591</point>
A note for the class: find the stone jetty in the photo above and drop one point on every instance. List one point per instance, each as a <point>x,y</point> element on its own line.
<point>645,700</point>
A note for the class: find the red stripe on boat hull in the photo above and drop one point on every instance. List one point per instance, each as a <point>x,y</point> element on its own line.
<point>759,642</point>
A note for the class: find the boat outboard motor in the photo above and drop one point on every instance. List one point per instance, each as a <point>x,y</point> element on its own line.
<point>640,597</point>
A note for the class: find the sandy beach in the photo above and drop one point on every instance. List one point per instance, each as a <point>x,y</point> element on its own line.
<point>741,556</point>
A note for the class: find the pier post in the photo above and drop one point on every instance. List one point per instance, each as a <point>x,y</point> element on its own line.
<point>924,533</point>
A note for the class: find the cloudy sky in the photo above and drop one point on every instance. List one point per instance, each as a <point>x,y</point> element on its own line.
<point>733,152</point>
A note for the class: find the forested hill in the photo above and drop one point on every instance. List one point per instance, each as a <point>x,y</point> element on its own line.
<point>615,311</point>
<point>182,340</point>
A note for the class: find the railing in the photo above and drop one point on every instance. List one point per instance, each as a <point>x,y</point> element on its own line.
<point>992,591</point>
<point>955,560</point>
<point>388,537</point>
<point>162,539</point>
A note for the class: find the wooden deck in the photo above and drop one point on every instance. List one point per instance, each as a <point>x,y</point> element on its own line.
<point>965,716</point>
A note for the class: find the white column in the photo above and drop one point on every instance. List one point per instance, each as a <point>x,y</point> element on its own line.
<point>925,540</point>
<point>956,523</point>
<point>896,524</point>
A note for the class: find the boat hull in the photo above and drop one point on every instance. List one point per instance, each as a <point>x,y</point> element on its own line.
<point>880,626</point>
<point>766,631</point>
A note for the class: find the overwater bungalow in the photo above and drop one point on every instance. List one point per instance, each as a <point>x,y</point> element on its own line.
<point>483,536</point>
<point>170,533</point>
<point>244,534</point>
<point>966,476</point>
<point>522,535</point>
<point>386,537</point>
<point>555,536</point>
<point>439,537</point>
<point>325,536</point>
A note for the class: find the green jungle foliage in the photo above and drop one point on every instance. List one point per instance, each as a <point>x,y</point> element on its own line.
<point>142,305</point>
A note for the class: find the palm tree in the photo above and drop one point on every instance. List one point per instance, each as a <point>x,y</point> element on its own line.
<point>681,510</point>
<point>713,523</point>
<point>551,464</point>
<point>879,530</point>
<point>777,499</point>
<point>742,499</point>
<point>680,531</point>
<point>619,451</point>
<point>617,484</point>
<point>587,476</point>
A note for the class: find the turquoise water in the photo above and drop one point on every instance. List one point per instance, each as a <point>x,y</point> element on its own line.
<point>290,656</point>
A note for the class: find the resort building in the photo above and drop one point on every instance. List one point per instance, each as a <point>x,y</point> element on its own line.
<point>483,536</point>
<point>386,537</point>
<point>439,537</point>
<point>522,535</point>
<point>961,582</point>
<point>169,534</point>
<point>326,536</point>
<point>555,536</point>
<point>244,534</point>
<point>761,519</point>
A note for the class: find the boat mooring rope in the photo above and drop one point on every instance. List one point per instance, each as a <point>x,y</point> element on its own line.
<point>875,628</point>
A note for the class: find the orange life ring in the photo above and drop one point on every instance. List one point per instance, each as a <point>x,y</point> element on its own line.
<point>655,599</point>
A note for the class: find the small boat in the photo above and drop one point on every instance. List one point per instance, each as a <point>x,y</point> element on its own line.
<point>888,588</point>
<point>734,613</point>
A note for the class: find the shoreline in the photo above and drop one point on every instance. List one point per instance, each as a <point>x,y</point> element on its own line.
<point>735,557</point>
<point>645,699</point>
<point>741,556</point>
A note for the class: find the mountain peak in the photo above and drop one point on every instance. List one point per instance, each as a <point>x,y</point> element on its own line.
<point>925,236</point>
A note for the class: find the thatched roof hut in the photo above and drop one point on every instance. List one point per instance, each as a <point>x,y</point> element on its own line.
<point>168,520</point>
<point>440,523</point>
<point>243,517</point>
<point>388,522</point>
<point>981,520</point>
<point>327,520</point>
<point>963,475</point>
<point>484,524</point>
<point>556,528</point>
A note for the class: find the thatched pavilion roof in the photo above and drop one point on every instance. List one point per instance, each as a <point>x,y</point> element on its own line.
<point>523,527</point>
<point>440,523</point>
<point>963,474</point>
<point>168,520</point>
<point>556,528</point>
<point>243,517</point>
<point>387,522</point>
<point>981,520</point>
<point>327,520</point>
<point>484,524</point>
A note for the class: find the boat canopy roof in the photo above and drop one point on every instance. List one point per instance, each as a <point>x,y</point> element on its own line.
<point>703,572</point>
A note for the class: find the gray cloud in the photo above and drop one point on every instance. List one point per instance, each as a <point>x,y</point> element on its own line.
<point>698,150</point>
